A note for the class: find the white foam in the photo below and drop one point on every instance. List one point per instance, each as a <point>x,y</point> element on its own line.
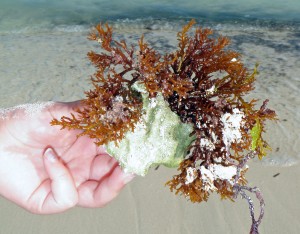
<point>29,110</point>
<point>191,175</point>
<point>231,131</point>
<point>214,172</point>
<point>207,144</point>
<point>207,179</point>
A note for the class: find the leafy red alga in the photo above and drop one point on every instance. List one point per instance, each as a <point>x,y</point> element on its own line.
<point>202,81</point>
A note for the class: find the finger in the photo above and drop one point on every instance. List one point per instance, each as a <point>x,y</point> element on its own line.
<point>102,165</point>
<point>111,185</point>
<point>104,191</point>
<point>63,191</point>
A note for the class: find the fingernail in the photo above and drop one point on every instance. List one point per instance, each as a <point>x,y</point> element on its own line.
<point>50,155</point>
<point>127,177</point>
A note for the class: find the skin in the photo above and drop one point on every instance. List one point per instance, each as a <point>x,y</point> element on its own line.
<point>47,170</point>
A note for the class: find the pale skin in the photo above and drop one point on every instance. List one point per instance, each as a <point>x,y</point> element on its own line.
<point>48,170</point>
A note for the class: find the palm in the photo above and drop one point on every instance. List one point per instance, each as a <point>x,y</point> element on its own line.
<point>96,175</point>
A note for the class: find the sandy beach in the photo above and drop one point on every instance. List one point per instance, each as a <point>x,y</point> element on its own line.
<point>146,206</point>
<point>53,66</point>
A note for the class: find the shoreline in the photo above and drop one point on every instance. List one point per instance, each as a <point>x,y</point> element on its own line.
<point>147,24</point>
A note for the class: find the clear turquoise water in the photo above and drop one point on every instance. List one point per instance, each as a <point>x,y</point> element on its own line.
<point>20,15</point>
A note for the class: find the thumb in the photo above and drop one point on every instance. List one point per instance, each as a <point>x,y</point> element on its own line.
<point>64,192</point>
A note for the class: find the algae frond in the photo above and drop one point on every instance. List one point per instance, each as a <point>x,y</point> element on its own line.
<point>201,121</point>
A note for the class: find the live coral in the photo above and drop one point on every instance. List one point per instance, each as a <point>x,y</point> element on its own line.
<point>204,83</point>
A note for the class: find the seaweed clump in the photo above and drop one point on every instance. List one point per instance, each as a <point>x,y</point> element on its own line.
<point>204,83</point>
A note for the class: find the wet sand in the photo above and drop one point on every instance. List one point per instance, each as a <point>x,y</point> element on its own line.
<point>53,67</point>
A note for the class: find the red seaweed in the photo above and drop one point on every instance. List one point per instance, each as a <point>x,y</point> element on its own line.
<point>204,83</point>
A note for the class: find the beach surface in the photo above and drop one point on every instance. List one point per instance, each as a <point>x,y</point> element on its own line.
<point>146,206</point>
<point>52,66</point>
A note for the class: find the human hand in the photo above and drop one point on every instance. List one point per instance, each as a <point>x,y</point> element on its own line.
<point>48,170</point>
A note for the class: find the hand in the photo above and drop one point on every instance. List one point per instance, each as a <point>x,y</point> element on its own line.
<point>48,170</point>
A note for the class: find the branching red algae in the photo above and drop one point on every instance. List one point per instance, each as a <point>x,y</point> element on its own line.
<point>204,84</point>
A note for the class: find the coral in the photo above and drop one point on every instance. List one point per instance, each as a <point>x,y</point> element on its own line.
<point>204,84</point>
<point>159,138</point>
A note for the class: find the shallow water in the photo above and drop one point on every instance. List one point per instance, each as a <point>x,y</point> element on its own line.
<point>19,15</point>
<point>43,49</point>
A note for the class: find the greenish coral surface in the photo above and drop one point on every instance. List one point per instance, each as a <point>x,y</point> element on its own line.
<point>159,138</point>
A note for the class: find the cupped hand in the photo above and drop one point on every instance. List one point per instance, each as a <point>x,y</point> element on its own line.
<point>48,170</point>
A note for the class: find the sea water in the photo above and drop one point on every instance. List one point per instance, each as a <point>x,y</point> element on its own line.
<point>42,14</point>
<point>41,39</point>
